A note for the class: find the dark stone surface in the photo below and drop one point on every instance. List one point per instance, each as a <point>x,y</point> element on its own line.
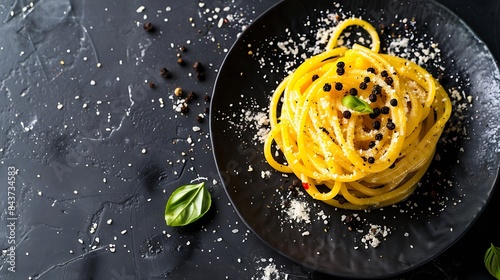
<point>97,151</point>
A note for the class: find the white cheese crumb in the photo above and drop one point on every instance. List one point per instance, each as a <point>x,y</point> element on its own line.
<point>140,9</point>
<point>299,211</point>
<point>265,174</point>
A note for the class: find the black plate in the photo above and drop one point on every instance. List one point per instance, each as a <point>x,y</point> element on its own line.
<point>455,189</point>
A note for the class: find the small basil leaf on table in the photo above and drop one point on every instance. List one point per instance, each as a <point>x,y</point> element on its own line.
<point>356,104</point>
<point>187,204</point>
<point>492,261</point>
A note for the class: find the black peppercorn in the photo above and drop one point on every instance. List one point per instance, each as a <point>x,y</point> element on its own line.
<point>353,92</point>
<point>390,125</point>
<point>394,102</point>
<point>384,110</point>
<point>372,97</point>
<point>327,87</point>
<point>198,67</point>
<point>152,84</point>
<point>376,125</point>
<point>377,90</point>
<point>341,201</point>
<point>164,73</point>
<point>389,80</point>
<point>371,70</point>
<point>148,26</point>
<point>371,144</point>
<point>338,86</point>
<point>346,114</point>
<point>371,160</point>
<point>379,136</point>
<point>363,85</point>
<point>184,109</point>
<point>366,79</point>
<point>340,71</point>
<point>384,73</point>
<point>340,64</point>
<point>315,77</point>
<point>375,114</point>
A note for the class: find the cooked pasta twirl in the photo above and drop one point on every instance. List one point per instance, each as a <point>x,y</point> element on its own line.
<point>359,128</point>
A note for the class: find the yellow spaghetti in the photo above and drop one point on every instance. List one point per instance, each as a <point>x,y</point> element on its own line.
<point>360,124</point>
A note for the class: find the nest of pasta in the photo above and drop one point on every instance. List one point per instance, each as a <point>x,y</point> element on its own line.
<point>362,124</point>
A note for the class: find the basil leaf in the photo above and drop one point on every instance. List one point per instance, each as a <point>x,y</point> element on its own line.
<point>187,204</point>
<point>356,104</point>
<point>492,261</point>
